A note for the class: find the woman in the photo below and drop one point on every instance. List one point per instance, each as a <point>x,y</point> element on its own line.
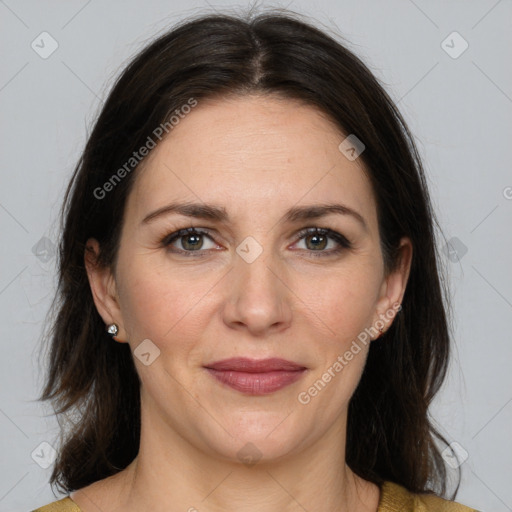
<point>250,312</point>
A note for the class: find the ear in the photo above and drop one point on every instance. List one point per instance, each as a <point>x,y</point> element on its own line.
<point>103,288</point>
<point>393,287</point>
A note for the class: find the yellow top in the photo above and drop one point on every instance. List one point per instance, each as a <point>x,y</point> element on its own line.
<point>393,498</point>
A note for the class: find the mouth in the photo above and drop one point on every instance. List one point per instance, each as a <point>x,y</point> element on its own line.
<point>256,377</point>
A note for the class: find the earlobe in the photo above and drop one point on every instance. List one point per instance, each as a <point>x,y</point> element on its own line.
<point>103,288</point>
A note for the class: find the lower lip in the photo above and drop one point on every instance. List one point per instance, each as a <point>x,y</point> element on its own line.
<point>257,383</point>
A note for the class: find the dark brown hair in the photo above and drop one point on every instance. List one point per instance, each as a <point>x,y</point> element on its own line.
<point>92,382</point>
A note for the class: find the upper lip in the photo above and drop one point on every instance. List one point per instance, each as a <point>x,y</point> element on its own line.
<point>244,364</point>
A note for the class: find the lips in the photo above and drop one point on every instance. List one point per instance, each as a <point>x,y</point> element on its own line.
<point>243,364</point>
<point>256,377</point>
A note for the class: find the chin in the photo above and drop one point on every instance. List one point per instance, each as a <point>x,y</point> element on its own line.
<point>255,437</point>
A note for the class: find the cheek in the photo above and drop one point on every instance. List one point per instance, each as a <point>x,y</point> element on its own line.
<point>158,305</point>
<point>338,312</point>
<point>340,303</point>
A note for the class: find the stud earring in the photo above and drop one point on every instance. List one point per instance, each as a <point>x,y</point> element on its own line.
<point>112,330</point>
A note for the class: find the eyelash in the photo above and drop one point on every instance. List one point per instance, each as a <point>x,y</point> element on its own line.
<point>342,241</point>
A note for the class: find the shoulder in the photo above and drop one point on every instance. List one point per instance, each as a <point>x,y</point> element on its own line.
<point>63,505</point>
<point>395,498</point>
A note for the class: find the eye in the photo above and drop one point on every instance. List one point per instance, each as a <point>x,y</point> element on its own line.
<point>189,240</point>
<point>316,240</point>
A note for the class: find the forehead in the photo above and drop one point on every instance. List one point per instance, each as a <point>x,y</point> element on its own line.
<point>252,151</point>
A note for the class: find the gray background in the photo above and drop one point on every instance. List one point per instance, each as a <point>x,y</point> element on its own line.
<point>458,108</point>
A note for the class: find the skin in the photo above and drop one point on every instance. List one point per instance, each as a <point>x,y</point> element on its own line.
<point>256,156</point>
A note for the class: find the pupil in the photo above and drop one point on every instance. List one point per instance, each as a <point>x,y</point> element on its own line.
<point>196,242</point>
<point>315,239</point>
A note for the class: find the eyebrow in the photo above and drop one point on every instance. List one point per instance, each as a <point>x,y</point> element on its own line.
<point>219,213</point>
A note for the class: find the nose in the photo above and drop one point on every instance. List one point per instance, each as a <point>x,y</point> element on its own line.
<point>258,300</point>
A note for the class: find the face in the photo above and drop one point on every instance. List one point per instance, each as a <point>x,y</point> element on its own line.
<point>260,274</point>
